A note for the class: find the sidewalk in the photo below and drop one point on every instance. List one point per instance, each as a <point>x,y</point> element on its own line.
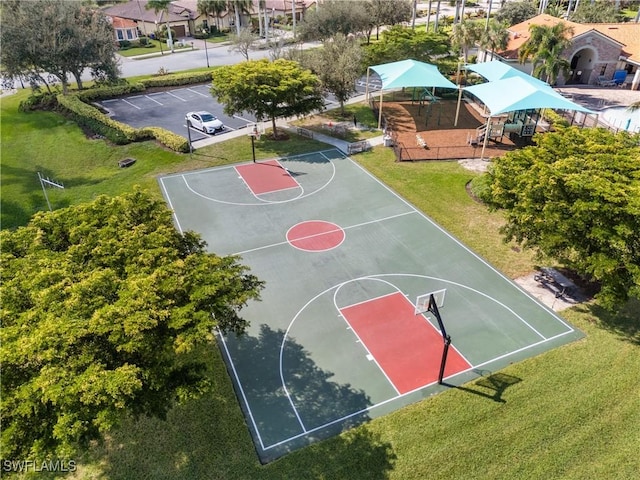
<point>283,123</point>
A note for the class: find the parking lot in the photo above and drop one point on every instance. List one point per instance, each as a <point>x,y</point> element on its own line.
<point>167,109</point>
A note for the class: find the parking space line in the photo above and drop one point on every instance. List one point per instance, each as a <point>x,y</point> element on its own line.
<point>243,119</point>
<point>194,91</point>
<point>153,100</point>
<point>173,95</point>
<point>129,103</point>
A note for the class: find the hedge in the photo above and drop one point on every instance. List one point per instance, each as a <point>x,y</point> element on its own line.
<point>78,107</point>
<point>177,79</point>
<point>105,93</point>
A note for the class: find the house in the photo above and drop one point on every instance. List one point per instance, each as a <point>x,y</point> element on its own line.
<point>181,18</point>
<point>598,50</point>
<point>124,29</point>
<point>186,21</point>
<point>285,9</point>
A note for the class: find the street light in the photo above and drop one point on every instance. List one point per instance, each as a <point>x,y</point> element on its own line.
<point>206,51</point>
<point>159,41</point>
<point>186,118</point>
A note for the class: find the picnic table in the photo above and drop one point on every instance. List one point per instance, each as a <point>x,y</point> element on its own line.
<point>554,281</point>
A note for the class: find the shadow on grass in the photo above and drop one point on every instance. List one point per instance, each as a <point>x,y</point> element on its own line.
<point>207,438</point>
<point>496,384</point>
<point>625,322</point>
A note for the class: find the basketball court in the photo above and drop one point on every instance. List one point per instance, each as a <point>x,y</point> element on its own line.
<point>344,332</point>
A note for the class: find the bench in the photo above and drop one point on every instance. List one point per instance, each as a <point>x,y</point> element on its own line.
<point>554,281</point>
<point>420,141</point>
<point>127,162</point>
<point>303,132</point>
<point>358,147</point>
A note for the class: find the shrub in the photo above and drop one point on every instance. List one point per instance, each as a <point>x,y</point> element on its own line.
<point>554,118</point>
<point>91,118</point>
<point>169,139</point>
<point>124,44</point>
<point>39,101</point>
<point>480,187</point>
<point>177,79</point>
<point>111,91</point>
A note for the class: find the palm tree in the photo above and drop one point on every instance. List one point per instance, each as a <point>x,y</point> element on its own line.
<point>549,64</point>
<point>239,7</point>
<point>212,8</point>
<point>544,42</point>
<point>495,37</point>
<point>162,6</point>
<point>435,25</point>
<point>465,35</point>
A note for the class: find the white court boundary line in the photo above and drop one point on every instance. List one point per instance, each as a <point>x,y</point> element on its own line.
<point>482,260</point>
<point>543,340</point>
<point>384,402</point>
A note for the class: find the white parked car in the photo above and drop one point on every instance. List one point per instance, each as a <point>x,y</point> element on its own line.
<point>205,121</point>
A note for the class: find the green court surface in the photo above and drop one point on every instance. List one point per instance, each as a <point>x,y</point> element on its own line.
<point>335,339</point>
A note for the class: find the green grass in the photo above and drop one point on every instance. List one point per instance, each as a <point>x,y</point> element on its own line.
<point>48,143</point>
<point>571,413</point>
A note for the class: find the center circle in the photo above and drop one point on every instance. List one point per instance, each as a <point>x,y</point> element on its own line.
<point>315,236</point>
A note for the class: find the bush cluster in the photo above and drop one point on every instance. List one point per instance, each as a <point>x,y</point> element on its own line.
<point>78,107</point>
<point>91,118</point>
<point>39,101</point>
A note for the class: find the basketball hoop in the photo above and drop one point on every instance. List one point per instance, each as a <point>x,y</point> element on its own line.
<point>254,131</point>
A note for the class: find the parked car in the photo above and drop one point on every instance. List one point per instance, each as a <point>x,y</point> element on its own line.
<point>205,121</point>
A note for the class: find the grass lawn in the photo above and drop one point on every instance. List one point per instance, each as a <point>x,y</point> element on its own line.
<point>571,413</point>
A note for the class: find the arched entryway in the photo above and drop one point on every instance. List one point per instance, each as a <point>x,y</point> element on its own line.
<point>581,62</point>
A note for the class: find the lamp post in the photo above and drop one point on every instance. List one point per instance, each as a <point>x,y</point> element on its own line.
<point>189,133</point>
<point>206,50</point>
<point>159,41</point>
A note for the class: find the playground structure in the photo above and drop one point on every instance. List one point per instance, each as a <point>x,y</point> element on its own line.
<point>519,123</point>
<point>508,92</point>
<point>421,127</point>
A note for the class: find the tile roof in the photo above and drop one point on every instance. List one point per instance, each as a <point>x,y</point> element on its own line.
<point>135,10</point>
<point>118,22</point>
<point>627,34</point>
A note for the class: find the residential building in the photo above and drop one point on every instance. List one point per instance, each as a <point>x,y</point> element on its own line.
<point>598,50</point>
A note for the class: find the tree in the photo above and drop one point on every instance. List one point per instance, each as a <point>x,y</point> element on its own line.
<point>544,47</point>
<point>516,12</point>
<point>495,37</point>
<point>239,7</point>
<point>162,6</point>
<point>466,35</point>
<point>212,8</point>
<point>103,307</point>
<point>399,43</point>
<point>267,89</point>
<point>575,196</point>
<point>338,65</point>
<point>334,17</point>
<point>549,63</point>
<point>242,42</point>
<point>76,38</point>
<point>387,12</point>
<point>595,12</point>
